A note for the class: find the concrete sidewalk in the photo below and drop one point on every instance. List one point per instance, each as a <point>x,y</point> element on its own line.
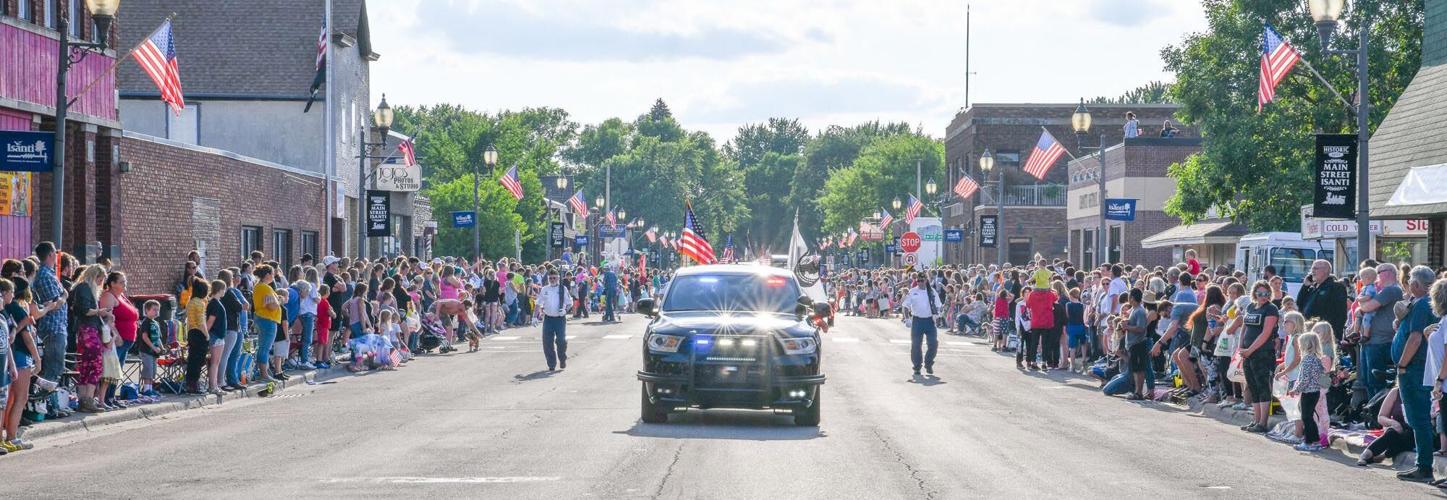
<point>168,404</point>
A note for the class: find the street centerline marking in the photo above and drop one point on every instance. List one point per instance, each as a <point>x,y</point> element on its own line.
<point>510,337</point>
<point>441,480</point>
<point>617,337</point>
<point>844,339</point>
<point>898,341</point>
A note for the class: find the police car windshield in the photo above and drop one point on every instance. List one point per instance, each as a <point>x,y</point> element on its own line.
<point>732,292</point>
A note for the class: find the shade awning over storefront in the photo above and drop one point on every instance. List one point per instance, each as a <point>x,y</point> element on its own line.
<point>1208,232</point>
<point>1422,193</point>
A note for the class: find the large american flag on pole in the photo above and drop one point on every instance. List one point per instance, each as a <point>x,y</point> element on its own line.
<point>157,57</point>
<point>579,203</point>
<point>966,187</point>
<point>912,210</point>
<point>1277,59</point>
<point>1047,151</point>
<point>692,242</point>
<point>510,181</point>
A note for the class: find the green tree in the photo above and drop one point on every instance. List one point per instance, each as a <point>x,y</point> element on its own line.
<point>1255,167</point>
<point>1151,93</point>
<point>884,170</point>
<point>835,148</point>
<point>768,154</point>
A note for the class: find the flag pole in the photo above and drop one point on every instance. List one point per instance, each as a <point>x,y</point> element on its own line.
<point>1350,107</point>
<point>118,62</point>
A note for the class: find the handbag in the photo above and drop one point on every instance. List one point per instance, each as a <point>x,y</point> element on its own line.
<point>106,333</point>
<point>110,365</point>
<point>1225,344</point>
<point>1236,372</point>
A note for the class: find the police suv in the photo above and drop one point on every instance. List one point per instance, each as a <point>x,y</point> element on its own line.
<point>731,336</point>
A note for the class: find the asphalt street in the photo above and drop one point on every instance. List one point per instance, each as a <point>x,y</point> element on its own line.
<point>495,424</point>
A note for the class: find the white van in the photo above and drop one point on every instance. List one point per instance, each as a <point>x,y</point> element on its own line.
<point>1291,255</point>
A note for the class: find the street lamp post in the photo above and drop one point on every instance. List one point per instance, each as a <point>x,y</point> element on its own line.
<point>1327,13</point>
<point>930,188</point>
<point>489,158</point>
<point>382,119</point>
<point>102,12</point>
<point>1080,121</point>
<point>987,163</point>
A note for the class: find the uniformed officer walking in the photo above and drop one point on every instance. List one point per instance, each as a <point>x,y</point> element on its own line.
<point>923,307</point>
<point>555,299</point>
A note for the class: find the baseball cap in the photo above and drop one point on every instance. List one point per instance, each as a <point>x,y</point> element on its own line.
<point>329,260</point>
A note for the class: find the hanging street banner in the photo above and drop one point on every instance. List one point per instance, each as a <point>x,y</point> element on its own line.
<point>580,241</point>
<point>606,231</point>
<point>1121,209</point>
<point>465,218</point>
<point>15,193</point>
<point>555,235</point>
<point>26,151</point>
<point>954,235</point>
<point>397,176</point>
<point>1335,179</point>
<point>989,230</point>
<point>379,213</point>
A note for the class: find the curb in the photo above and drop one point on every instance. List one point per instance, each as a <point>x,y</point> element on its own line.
<point>171,404</point>
<point>1346,446</point>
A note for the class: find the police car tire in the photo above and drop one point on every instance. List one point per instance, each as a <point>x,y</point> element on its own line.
<point>651,413</point>
<point>809,417</point>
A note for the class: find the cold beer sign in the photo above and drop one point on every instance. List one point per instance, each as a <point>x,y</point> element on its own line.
<point>1335,181</point>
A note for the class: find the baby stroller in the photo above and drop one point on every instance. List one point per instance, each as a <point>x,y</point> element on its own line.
<point>432,335</point>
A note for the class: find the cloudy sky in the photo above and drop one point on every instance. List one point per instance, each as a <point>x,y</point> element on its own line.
<point>723,63</point>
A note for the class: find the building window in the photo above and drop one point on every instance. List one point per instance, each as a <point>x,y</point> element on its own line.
<point>1007,157</point>
<point>309,241</point>
<point>185,126</point>
<point>250,240</point>
<point>281,247</point>
<point>22,10</point>
<point>52,15</point>
<point>73,14</point>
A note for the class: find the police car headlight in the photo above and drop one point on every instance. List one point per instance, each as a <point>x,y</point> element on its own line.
<point>798,346</point>
<point>664,343</point>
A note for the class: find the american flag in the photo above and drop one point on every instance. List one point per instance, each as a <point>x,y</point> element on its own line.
<point>1047,152</point>
<point>157,57</point>
<point>966,187</point>
<point>665,242</point>
<point>322,46</point>
<point>886,219</point>
<point>321,71</point>
<point>728,253</point>
<point>692,242</point>
<point>409,154</point>
<point>579,204</point>
<point>509,180</point>
<point>912,211</point>
<point>849,242</point>
<point>1277,59</point>
<point>613,217</point>
<point>652,235</point>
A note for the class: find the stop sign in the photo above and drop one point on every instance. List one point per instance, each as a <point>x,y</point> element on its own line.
<point>909,242</point>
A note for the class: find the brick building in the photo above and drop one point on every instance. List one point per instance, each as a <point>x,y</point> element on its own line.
<point>168,201</point>
<point>29,46</point>
<point>247,69</point>
<point>1035,213</point>
<point>1134,169</point>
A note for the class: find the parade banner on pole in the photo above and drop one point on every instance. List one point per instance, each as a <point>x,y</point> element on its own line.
<point>464,218</point>
<point>556,235</point>
<point>1121,209</point>
<point>1335,177</point>
<point>25,151</point>
<point>988,230</point>
<point>379,213</point>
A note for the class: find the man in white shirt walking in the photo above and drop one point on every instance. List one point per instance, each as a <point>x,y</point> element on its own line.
<point>923,307</point>
<point>555,299</point>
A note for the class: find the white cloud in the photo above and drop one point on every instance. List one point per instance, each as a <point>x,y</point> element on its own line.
<point>720,64</point>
